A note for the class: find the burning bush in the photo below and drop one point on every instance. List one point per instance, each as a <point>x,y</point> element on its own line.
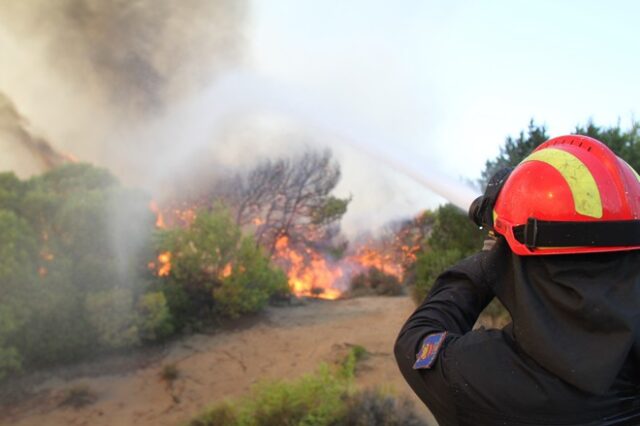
<point>213,269</point>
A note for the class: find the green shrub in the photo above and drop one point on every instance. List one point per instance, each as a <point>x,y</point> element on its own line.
<point>78,396</point>
<point>169,372</point>
<point>314,399</point>
<point>429,266</point>
<point>154,318</point>
<point>377,282</point>
<point>217,269</point>
<point>350,362</point>
<point>373,407</point>
<point>252,283</point>
<point>223,414</point>
<point>325,398</point>
<point>113,318</point>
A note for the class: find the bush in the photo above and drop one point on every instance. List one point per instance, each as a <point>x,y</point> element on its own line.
<point>377,282</point>
<point>78,396</point>
<point>350,362</point>
<point>169,372</point>
<point>314,399</point>
<point>428,267</point>
<point>324,398</point>
<point>154,318</point>
<point>218,271</point>
<point>223,414</point>
<point>71,241</point>
<point>113,318</point>
<point>252,282</point>
<point>453,238</point>
<point>376,407</point>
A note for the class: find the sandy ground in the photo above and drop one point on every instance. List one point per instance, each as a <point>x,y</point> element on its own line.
<point>282,343</point>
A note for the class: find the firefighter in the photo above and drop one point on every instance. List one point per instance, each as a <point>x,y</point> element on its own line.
<point>566,265</point>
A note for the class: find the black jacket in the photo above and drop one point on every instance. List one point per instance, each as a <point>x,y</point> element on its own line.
<point>571,355</point>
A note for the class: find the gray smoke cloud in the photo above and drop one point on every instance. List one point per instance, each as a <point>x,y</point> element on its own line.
<point>145,87</point>
<point>111,82</point>
<point>19,137</point>
<point>134,54</point>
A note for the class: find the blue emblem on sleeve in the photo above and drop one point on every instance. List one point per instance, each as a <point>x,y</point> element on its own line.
<point>428,352</point>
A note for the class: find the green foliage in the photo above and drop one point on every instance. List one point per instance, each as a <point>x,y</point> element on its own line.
<point>169,372</point>
<point>200,252</point>
<point>331,210</point>
<point>222,414</point>
<point>78,396</point>
<point>251,283</point>
<point>324,398</point>
<point>350,362</point>
<point>314,399</point>
<point>18,277</point>
<point>453,238</point>
<point>429,266</point>
<point>221,271</point>
<point>515,150</point>
<point>625,143</point>
<point>112,316</point>
<point>154,317</point>
<point>375,281</point>
<point>71,241</point>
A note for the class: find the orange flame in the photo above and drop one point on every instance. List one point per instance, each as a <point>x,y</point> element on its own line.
<point>164,261</point>
<point>369,257</point>
<point>227,270</point>
<point>159,216</point>
<point>309,274</point>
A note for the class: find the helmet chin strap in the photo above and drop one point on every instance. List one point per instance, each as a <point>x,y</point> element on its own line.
<point>539,233</point>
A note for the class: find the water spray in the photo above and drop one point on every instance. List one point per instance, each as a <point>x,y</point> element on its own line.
<point>250,93</point>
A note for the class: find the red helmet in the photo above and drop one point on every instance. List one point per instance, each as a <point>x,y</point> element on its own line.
<point>572,194</point>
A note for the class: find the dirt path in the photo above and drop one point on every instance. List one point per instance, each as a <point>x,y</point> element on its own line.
<point>287,343</point>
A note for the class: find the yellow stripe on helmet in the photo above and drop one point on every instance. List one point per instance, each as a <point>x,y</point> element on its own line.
<point>586,196</point>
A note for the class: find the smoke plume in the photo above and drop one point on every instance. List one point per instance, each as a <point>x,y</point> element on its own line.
<point>17,130</point>
<point>133,54</point>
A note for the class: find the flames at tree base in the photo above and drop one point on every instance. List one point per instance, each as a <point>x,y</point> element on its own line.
<point>310,272</point>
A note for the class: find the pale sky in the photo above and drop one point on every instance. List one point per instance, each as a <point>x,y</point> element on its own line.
<point>448,80</point>
<point>437,84</point>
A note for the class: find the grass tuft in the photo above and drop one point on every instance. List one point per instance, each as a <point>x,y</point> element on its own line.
<point>325,398</point>
<point>78,396</point>
<point>169,372</point>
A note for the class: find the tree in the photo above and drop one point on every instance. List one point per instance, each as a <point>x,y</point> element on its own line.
<point>514,151</point>
<point>453,238</point>
<point>18,279</point>
<point>625,143</point>
<point>73,248</point>
<point>289,197</point>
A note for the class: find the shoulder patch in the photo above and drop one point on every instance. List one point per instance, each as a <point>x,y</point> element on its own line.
<point>428,352</point>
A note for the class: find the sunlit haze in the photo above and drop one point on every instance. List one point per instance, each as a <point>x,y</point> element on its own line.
<point>440,84</point>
